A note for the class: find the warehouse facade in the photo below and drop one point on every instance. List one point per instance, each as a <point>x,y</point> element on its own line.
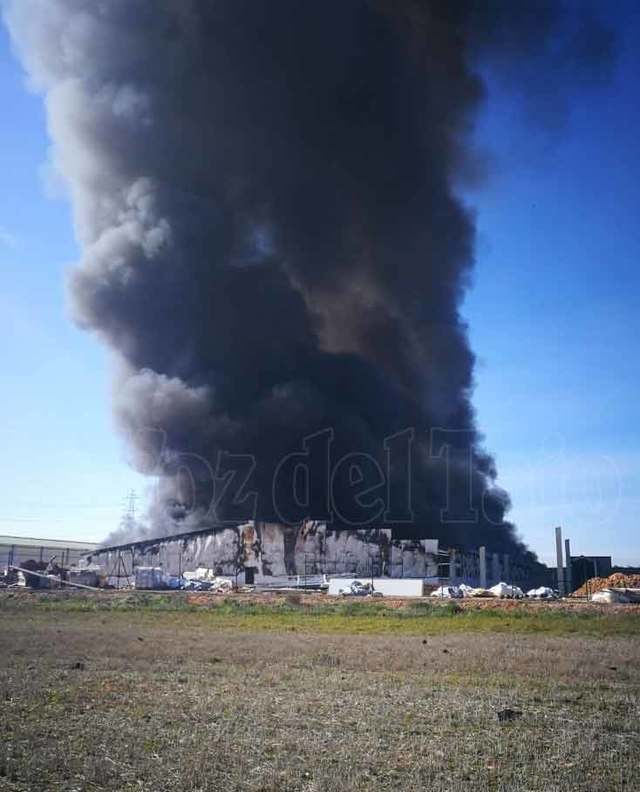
<point>270,553</point>
<point>261,552</point>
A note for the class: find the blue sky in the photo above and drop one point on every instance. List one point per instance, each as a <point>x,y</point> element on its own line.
<point>552,314</point>
<point>63,471</point>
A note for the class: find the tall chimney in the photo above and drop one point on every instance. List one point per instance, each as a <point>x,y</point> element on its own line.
<point>561,589</point>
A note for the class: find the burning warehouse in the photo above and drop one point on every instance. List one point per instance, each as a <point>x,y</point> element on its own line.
<point>265,553</point>
<point>274,248</point>
<point>272,554</point>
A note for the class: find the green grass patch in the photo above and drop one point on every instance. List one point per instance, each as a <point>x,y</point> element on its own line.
<point>340,617</point>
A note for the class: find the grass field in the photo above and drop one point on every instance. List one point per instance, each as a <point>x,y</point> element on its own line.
<point>163,693</point>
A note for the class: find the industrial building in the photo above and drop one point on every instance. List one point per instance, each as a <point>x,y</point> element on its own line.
<point>585,567</point>
<point>16,550</point>
<point>265,553</point>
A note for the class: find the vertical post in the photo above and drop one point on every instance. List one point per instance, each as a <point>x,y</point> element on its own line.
<point>506,568</point>
<point>483,567</point>
<point>495,567</point>
<point>452,566</point>
<point>559,561</point>
<point>567,561</point>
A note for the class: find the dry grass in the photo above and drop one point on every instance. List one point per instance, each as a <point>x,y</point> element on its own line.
<point>144,700</point>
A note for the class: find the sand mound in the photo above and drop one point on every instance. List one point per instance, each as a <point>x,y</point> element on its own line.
<point>617,580</point>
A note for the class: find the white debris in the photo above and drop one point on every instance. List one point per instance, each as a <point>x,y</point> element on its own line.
<point>221,584</point>
<point>505,591</point>
<point>481,592</point>
<point>611,596</point>
<point>544,592</point>
<point>448,592</point>
<point>201,573</point>
<point>358,589</point>
<point>204,580</point>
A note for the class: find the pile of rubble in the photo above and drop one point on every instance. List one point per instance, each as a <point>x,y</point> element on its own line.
<point>358,588</point>
<point>50,575</point>
<point>616,588</point>
<point>615,581</point>
<point>202,579</point>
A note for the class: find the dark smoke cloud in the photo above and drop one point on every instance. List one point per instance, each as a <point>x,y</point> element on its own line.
<point>270,238</point>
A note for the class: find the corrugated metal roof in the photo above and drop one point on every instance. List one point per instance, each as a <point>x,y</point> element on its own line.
<point>62,544</point>
<point>169,538</point>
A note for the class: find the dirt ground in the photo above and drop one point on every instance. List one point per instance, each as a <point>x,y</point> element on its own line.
<point>575,604</point>
<point>145,700</point>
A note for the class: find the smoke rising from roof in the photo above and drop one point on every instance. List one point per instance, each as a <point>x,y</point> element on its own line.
<point>271,241</point>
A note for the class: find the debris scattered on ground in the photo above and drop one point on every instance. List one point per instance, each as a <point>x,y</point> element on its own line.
<point>360,589</point>
<point>505,591</point>
<point>463,591</point>
<point>202,579</point>
<point>218,585</point>
<point>544,592</point>
<point>448,592</point>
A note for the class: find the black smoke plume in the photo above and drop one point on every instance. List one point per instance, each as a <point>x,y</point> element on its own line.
<point>271,240</point>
